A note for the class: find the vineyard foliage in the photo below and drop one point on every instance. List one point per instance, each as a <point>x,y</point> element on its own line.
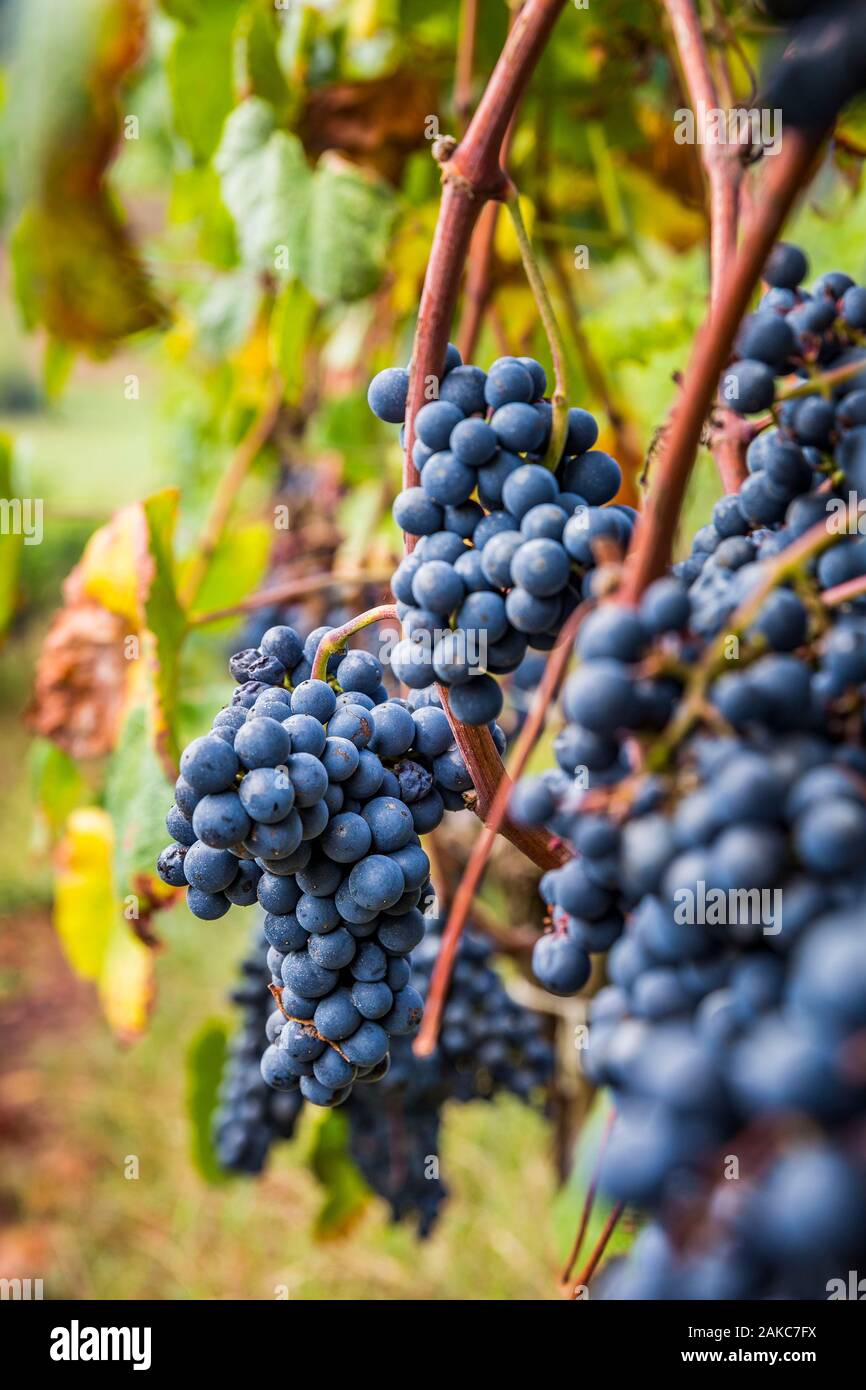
<point>229,205</point>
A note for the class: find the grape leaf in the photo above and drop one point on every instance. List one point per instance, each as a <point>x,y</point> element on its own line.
<point>164,618</point>
<point>329,227</point>
<point>198,68</point>
<point>292,320</point>
<point>265,186</point>
<point>96,938</point>
<point>237,566</point>
<point>57,785</point>
<point>76,267</point>
<point>351,216</point>
<point>205,1059</point>
<point>11,544</point>
<point>346,1193</point>
<point>137,795</point>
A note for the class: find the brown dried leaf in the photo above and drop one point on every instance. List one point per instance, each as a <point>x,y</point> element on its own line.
<point>81,679</point>
<point>376,124</point>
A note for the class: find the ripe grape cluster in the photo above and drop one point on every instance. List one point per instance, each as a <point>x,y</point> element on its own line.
<point>309,796</point>
<point>488,1045</point>
<point>711,782</point>
<point>801,469</point>
<point>505,544</point>
<point>251,1115</point>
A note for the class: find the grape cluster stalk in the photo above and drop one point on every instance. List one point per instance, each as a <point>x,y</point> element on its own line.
<point>711,781</point>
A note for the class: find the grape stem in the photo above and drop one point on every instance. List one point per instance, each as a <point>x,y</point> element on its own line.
<point>476,294</point>
<point>723,173</point>
<point>722,168</point>
<point>791,564</point>
<point>494,818</point>
<point>589,1199</point>
<point>652,544</point>
<point>334,640</point>
<point>239,465</point>
<point>601,1244</point>
<point>488,775</point>
<point>559,398</point>
<point>843,593</point>
<point>468,26</point>
<point>471,176</point>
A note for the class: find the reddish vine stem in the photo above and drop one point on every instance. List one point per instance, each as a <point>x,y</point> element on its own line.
<point>843,593</point>
<point>479,273</point>
<point>601,1244</point>
<point>724,175</point>
<point>721,167</point>
<point>479,753</point>
<point>651,548</point>
<point>468,886</point>
<point>589,1201</point>
<point>294,588</point>
<point>471,176</point>
<point>477,281</point>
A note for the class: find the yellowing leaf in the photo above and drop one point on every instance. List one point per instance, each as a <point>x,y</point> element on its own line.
<point>77,269</point>
<point>504,240</point>
<point>11,544</point>
<point>128,569</point>
<point>85,907</point>
<point>126,983</point>
<point>238,566</point>
<point>96,938</point>
<point>110,566</point>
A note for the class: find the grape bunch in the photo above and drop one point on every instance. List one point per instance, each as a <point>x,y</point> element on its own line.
<point>251,1115</point>
<point>737,995</point>
<point>505,545</point>
<point>488,1045</point>
<point>804,467</point>
<point>711,782</point>
<point>309,798</point>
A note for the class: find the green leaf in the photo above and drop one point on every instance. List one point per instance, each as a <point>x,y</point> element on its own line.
<point>56,367</point>
<point>164,617</point>
<point>346,1193</point>
<point>329,228</point>
<point>137,795</point>
<point>265,185</point>
<point>205,1059</point>
<point>351,217</point>
<point>11,543</point>
<point>196,203</point>
<point>56,784</point>
<point>227,313</point>
<point>256,40</point>
<point>292,320</point>
<point>237,567</point>
<point>199,72</point>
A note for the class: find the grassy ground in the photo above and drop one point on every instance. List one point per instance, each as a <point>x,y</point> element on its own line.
<point>77,1109</point>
